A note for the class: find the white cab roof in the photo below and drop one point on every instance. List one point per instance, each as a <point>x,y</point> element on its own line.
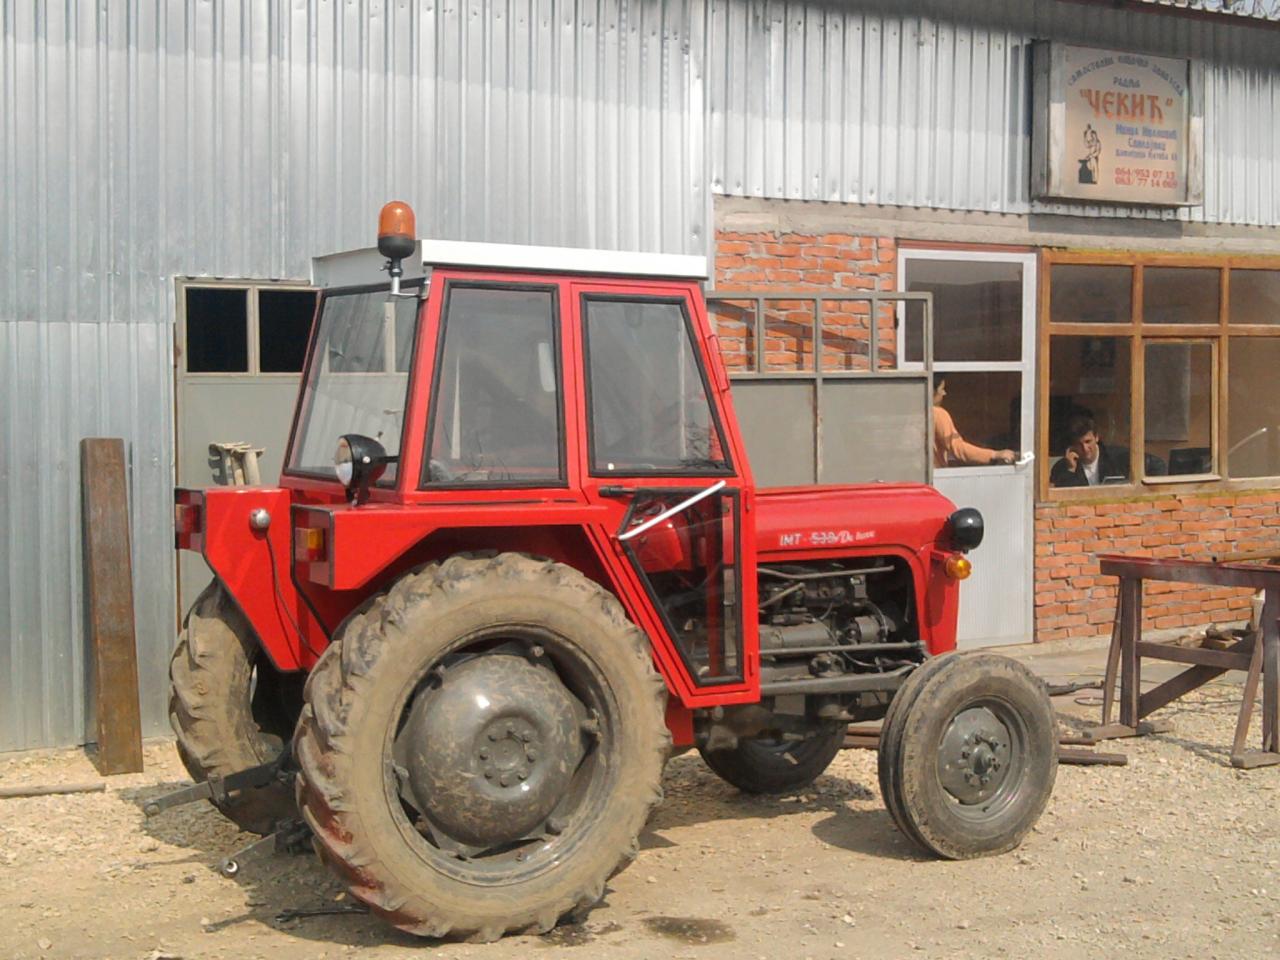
<point>511,256</point>
<point>366,266</point>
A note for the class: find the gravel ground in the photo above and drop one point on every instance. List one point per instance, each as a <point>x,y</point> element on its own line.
<point>1175,855</point>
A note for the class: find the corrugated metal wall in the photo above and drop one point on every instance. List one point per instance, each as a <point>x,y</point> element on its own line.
<point>145,140</point>
<point>927,104</point>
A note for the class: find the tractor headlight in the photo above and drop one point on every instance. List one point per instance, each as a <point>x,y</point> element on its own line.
<point>358,462</point>
<point>965,529</point>
<point>342,462</point>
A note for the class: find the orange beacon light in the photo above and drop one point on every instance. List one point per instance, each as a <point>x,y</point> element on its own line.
<point>397,238</point>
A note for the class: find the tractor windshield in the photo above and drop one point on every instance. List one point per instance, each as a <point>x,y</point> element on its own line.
<point>357,380</point>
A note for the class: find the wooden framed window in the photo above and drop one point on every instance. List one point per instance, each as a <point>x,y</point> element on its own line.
<point>1162,364</point>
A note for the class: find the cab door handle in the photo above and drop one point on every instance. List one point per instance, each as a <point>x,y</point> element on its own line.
<point>670,512</point>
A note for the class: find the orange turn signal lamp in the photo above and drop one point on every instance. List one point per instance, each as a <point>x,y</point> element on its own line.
<point>957,567</point>
<point>309,544</point>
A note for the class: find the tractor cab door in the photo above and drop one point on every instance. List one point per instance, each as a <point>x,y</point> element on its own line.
<point>660,454</point>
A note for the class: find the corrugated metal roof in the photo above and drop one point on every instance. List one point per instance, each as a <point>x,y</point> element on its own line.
<point>1258,9</point>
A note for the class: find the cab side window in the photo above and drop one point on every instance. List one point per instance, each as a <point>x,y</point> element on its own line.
<point>649,405</point>
<point>495,411</point>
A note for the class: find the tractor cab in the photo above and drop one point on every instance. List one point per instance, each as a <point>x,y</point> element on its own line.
<point>503,387</point>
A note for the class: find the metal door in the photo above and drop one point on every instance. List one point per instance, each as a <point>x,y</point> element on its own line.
<point>249,399</point>
<point>984,352</point>
<point>658,463</point>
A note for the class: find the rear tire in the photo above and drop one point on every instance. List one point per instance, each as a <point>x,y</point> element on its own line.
<point>776,766</point>
<point>405,783</point>
<point>969,758</point>
<point>230,709</point>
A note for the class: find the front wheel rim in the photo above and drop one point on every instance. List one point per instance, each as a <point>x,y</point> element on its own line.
<point>982,760</point>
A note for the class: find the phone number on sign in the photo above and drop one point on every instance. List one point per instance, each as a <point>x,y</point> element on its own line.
<point>1142,177</point>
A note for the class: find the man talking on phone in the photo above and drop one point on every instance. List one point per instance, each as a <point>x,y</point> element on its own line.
<point>1087,462</point>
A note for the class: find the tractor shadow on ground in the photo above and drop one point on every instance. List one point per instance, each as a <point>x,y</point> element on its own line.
<point>695,795</point>
<point>272,883</point>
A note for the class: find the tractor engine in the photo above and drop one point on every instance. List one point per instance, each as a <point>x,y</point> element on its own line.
<point>821,626</point>
<point>832,619</point>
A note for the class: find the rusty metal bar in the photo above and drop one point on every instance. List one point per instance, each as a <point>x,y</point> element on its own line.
<point>109,588</point>
<point>1270,630</point>
<point>1175,687</point>
<point>1113,664</point>
<point>1199,656</point>
<point>1130,630</point>
<point>1190,571</point>
<point>1246,703</point>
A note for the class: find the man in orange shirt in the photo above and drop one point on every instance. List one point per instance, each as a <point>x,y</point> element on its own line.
<point>950,449</point>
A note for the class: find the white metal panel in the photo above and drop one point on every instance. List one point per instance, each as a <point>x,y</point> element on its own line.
<point>156,139</point>
<point>996,600</point>
<point>517,257</point>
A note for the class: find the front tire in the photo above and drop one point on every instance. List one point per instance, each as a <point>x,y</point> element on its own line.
<point>481,746</point>
<point>230,709</point>
<point>766,765</point>
<point>969,758</point>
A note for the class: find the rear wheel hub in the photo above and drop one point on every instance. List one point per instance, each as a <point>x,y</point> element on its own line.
<point>490,751</point>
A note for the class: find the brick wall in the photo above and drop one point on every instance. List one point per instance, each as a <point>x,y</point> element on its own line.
<point>831,262</point>
<point>1072,600</point>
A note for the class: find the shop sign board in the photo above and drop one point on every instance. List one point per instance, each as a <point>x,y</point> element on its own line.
<point>1117,127</point>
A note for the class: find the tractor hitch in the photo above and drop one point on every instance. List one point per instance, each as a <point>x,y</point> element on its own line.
<point>290,836</point>
<point>219,788</point>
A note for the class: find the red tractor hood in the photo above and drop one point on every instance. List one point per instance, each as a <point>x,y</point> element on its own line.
<point>793,520</point>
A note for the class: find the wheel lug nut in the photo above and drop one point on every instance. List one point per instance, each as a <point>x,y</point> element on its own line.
<point>484,754</point>
<point>505,780</point>
<point>493,735</point>
<point>530,754</point>
<point>488,774</point>
<point>522,775</point>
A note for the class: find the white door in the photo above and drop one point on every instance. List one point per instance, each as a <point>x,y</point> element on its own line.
<point>984,352</point>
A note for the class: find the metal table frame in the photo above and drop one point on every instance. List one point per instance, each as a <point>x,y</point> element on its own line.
<point>1261,660</point>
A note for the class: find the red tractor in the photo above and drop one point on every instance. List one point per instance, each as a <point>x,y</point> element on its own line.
<point>464,645</point>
